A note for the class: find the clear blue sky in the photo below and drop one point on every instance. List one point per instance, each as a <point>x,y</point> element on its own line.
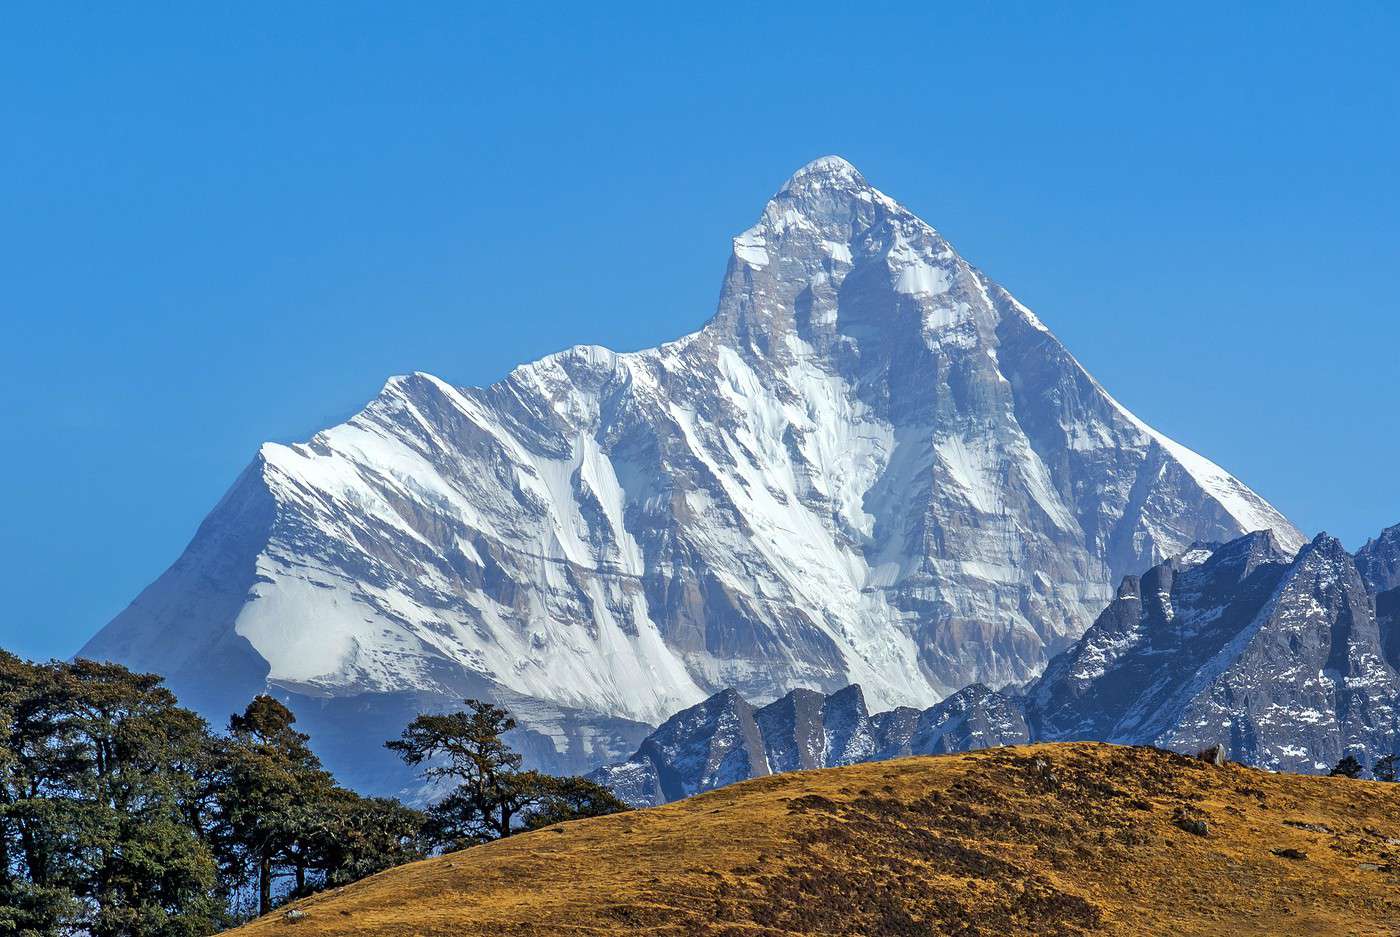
<point>222,226</point>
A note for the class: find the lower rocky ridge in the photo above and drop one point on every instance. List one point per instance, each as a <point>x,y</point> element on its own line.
<point>1059,839</point>
<point>1283,660</point>
<point>725,739</point>
<point>1287,662</point>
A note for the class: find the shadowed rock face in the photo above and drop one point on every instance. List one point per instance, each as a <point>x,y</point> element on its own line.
<point>1379,564</point>
<point>974,717</point>
<point>872,465</point>
<point>1281,659</point>
<point>1285,661</point>
<point>724,740</point>
<point>1379,561</point>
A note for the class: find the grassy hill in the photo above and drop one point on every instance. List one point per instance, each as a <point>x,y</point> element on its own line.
<point>1045,839</point>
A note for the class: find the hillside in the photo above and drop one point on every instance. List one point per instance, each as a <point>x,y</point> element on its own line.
<point>1048,839</point>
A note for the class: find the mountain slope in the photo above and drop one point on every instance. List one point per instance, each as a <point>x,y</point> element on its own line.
<point>1047,839</point>
<point>872,465</point>
<point>1281,659</point>
<point>1379,561</point>
<point>1287,661</point>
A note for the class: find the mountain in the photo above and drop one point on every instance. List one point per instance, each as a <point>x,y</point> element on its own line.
<point>1288,661</point>
<point>873,465</point>
<point>1282,659</point>
<point>1064,839</point>
<point>1379,564</point>
<point>1379,561</point>
<point>724,739</point>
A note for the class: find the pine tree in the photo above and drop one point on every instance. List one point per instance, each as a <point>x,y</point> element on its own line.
<point>493,798</point>
<point>1347,767</point>
<point>94,790</point>
<point>573,798</point>
<point>1385,768</point>
<point>272,798</point>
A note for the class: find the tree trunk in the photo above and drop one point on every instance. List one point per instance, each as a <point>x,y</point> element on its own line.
<point>7,874</point>
<point>34,856</point>
<point>265,883</point>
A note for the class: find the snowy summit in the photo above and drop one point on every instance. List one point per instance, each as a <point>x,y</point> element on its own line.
<point>872,465</point>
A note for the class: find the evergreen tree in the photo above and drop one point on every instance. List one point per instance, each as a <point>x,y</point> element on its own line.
<point>94,789</point>
<point>1348,767</point>
<point>493,798</point>
<point>467,747</point>
<point>573,798</point>
<point>272,800</point>
<point>34,899</point>
<point>367,835</point>
<point>1385,768</point>
<point>121,815</point>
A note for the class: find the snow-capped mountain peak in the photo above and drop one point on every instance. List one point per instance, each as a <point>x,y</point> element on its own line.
<point>872,465</point>
<point>826,170</point>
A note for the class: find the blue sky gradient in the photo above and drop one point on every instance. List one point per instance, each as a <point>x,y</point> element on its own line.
<point>223,226</point>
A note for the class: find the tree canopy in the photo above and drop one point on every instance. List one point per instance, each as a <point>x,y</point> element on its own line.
<point>98,770</point>
<point>1347,767</point>
<point>492,797</point>
<point>123,814</point>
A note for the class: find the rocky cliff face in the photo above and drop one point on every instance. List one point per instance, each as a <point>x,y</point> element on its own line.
<point>1281,659</point>
<point>1286,660</point>
<point>1379,564</point>
<point>724,739</point>
<point>872,465</point>
<point>1379,561</point>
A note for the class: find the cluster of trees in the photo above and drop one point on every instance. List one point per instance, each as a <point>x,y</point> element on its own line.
<point>123,815</point>
<point>1386,768</point>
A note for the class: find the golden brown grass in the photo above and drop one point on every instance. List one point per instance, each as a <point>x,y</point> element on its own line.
<point>1045,839</point>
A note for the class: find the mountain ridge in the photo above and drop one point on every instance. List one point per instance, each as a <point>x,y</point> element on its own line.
<point>1287,662</point>
<point>872,464</point>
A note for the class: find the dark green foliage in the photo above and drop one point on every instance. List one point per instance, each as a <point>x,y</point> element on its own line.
<point>281,818</point>
<point>97,788</point>
<point>121,815</point>
<point>493,797</point>
<point>1348,767</point>
<point>367,835</point>
<point>467,747</point>
<point>270,792</point>
<point>573,799</point>
<point>1386,768</point>
<point>464,745</point>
